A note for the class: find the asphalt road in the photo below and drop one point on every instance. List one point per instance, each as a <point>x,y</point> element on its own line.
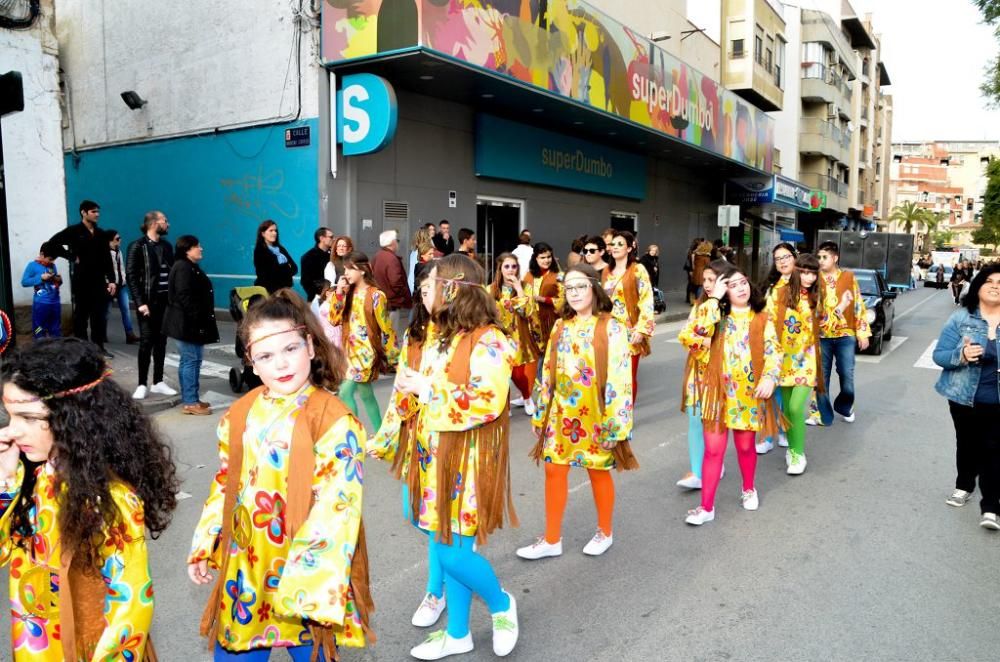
<point>858,559</point>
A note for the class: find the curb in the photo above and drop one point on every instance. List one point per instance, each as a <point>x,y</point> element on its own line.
<point>154,406</point>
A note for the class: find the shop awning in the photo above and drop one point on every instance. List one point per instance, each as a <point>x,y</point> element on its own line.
<point>791,234</point>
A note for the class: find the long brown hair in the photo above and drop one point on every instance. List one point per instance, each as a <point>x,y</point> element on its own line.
<point>809,262</point>
<point>600,304</point>
<point>357,260</point>
<point>460,303</point>
<point>497,287</point>
<point>336,259</point>
<point>327,367</point>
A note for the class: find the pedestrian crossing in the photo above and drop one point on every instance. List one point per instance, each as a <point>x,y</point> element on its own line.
<point>926,359</point>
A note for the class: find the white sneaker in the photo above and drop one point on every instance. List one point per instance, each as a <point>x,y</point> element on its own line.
<point>989,521</point>
<point>959,498</point>
<point>540,550</point>
<point>699,516</point>
<point>429,611</point>
<point>517,402</point>
<point>161,388</point>
<point>750,500</point>
<point>813,421</point>
<point>764,446</point>
<point>796,463</point>
<point>529,407</point>
<point>783,440</point>
<point>849,418</point>
<point>690,481</point>
<point>598,544</point>
<point>505,629</point>
<point>439,645</point>
<point>139,393</point>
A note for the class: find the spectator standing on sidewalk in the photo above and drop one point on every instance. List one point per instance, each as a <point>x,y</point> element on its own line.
<point>85,246</point>
<point>523,253</point>
<point>387,267</point>
<point>342,247</point>
<point>121,291</point>
<point>443,241</point>
<point>272,263</point>
<point>147,271</point>
<point>651,260</point>
<point>314,261</point>
<point>190,319</point>
<point>46,308</point>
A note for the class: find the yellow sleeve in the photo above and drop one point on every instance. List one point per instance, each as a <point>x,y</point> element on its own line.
<point>645,324</point>
<point>544,387</point>
<point>336,316</point>
<point>389,340</point>
<point>773,355</point>
<point>617,422</point>
<point>9,493</point>
<point>560,298</point>
<point>861,328</point>
<point>128,608</point>
<point>315,582</point>
<point>206,534</point>
<point>700,328</point>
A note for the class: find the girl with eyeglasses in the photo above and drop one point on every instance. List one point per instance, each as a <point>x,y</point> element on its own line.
<point>367,337</point>
<point>543,284</point>
<point>631,292</point>
<point>782,268</point>
<point>742,368</point>
<point>795,311</point>
<point>282,522</point>
<point>516,308</point>
<point>584,416</point>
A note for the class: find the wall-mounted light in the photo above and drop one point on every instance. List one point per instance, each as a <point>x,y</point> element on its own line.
<point>133,100</point>
<point>659,36</point>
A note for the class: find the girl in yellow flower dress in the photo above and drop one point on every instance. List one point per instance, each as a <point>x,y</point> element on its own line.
<point>631,292</point>
<point>516,308</point>
<point>782,266</point>
<point>584,416</point>
<point>462,455</point>
<point>83,476</point>
<point>543,284</point>
<point>367,336</point>
<point>290,553</point>
<point>741,373</point>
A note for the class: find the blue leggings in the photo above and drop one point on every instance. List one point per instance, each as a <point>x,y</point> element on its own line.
<point>465,572</point>
<point>298,654</point>
<point>696,439</point>
<point>435,574</point>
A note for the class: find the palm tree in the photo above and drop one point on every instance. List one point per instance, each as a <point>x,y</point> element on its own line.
<point>931,221</point>
<point>910,215</point>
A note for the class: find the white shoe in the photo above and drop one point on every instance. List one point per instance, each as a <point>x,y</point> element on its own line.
<point>529,407</point>
<point>540,550</point>
<point>989,521</point>
<point>429,611</point>
<point>161,388</point>
<point>813,421</point>
<point>849,418</point>
<point>783,440</point>
<point>139,393</point>
<point>750,500</point>
<point>959,498</point>
<point>598,544</point>
<point>699,516</point>
<point>517,402</point>
<point>690,481</point>
<point>764,446</point>
<point>439,645</point>
<point>796,463</point>
<point>505,629</point>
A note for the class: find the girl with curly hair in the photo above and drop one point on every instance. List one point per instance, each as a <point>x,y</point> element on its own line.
<point>543,284</point>
<point>290,552</point>
<point>516,308</point>
<point>584,416</point>
<point>83,475</point>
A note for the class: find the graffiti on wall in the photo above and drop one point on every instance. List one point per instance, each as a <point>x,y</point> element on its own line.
<point>565,47</point>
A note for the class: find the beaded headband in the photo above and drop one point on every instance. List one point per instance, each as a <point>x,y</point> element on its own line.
<point>61,394</point>
<point>271,335</point>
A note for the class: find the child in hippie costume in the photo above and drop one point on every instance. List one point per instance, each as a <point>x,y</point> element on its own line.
<point>631,292</point>
<point>584,416</point>
<point>782,267</point>
<point>743,364</point>
<point>543,284</point>
<point>291,555</point>
<point>516,308</point>
<point>83,475</point>
<point>461,450</point>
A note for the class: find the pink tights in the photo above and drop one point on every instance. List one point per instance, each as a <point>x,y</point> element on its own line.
<point>715,451</point>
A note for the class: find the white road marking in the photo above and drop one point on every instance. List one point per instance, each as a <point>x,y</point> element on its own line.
<point>926,359</point>
<point>886,351</point>
<point>208,368</point>
<point>917,305</point>
<point>182,495</point>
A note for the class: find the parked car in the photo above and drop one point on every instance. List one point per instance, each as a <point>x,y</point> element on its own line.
<point>932,280</point>
<point>881,305</point>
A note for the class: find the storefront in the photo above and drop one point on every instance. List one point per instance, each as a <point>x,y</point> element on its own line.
<point>770,208</point>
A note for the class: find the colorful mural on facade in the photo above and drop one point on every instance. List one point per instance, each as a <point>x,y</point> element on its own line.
<point>565,47</point>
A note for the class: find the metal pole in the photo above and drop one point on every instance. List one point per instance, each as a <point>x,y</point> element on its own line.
<point>6,292</point>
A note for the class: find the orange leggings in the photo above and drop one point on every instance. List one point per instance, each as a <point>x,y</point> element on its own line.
<point>524,378</point>
<point>557,492</point>
<point>635,377</point>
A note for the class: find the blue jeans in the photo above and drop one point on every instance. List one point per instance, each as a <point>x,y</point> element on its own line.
<point>188,371</point>
<point>297,653</point>
<point>121,297</point>
<point>841,349</point>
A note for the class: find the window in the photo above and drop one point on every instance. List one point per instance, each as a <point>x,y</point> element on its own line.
<point>769,54</point>
<point>737,49</point>
<point>758,45</point>
<point>779,63</point>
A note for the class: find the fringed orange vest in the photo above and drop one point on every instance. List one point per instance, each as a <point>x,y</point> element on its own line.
<point>547,314</point>
<point>375,334</point>
<point>406,451</point>
<point>845,282</point>
<point>322,410</point>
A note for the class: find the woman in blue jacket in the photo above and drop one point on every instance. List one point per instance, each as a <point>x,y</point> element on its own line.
<point>967,351</point>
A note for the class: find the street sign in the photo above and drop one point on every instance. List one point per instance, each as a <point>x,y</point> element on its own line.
<point>297,136</point>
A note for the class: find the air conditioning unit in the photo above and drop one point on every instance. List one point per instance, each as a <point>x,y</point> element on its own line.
<point>832,111</point>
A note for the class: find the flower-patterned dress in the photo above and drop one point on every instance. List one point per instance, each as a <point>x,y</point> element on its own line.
<point>532,286</point>
<point>645,322</point>
<point>575,428</point>
<point>282,577</point>
<point>742,412</point>
<point>798,343</point>
<point>128,607</point>
<point>402,407</point>
<point>458,407</point>
<point>693,338</point>
<point>511,307</point>
<point>355,343</point>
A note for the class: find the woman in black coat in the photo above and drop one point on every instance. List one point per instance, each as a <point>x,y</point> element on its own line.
<point>190,319</point>
<point>274,266</point>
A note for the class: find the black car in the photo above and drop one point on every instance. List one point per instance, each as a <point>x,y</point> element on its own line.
<point>881,305</point>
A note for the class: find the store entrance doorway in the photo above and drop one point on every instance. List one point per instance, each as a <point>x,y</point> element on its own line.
<point>625,220</point>
<point>498,222</point>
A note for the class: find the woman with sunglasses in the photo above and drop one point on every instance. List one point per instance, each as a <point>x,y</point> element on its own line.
<point>782,267</point>
<point>627,283</point>
<point>795,312</point>
<point>516,308</point>
<point>594,250</point>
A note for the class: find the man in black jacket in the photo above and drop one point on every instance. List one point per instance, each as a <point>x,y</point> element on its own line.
<point>314,261</point>
<point>86,247</point>
<point>147,265</point>
<point>443,241</point>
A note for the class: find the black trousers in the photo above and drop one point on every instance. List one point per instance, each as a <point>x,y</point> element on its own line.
<point>152,340</point>
<point>977,451</point>
<point>90,307</point>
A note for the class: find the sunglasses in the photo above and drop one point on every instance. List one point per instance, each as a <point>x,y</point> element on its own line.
<point>591,251</point>
<point>619,244</point>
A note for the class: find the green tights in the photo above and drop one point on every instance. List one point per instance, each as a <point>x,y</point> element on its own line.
<point>347,390</point>
<point>794,402</point>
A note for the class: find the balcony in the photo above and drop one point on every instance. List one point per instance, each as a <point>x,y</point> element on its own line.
<point>822,137</point>
<point>836,190</point>
<point>820,83</point>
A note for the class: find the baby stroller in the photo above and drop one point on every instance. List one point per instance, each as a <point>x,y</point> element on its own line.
<point>659,303</point>
<point>240,299</point>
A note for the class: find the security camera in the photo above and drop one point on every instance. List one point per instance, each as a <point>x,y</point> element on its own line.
<point>133,100</point>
